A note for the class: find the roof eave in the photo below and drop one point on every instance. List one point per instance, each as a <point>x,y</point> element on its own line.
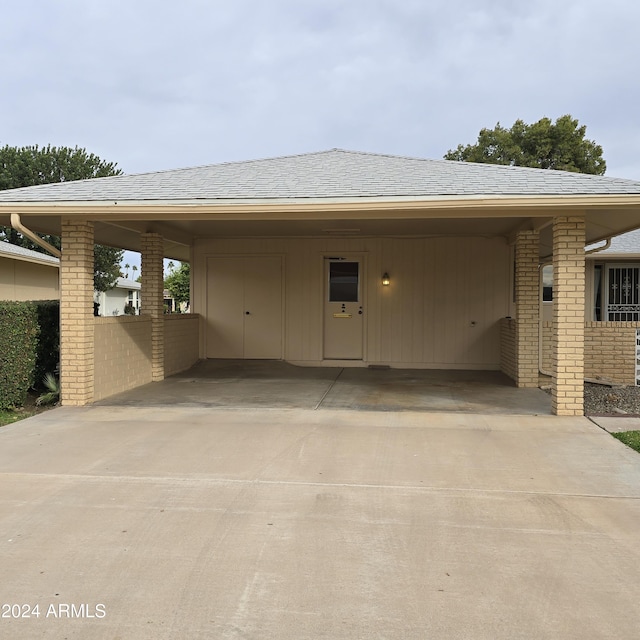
<point>533,204</point>
<point>53,262</point>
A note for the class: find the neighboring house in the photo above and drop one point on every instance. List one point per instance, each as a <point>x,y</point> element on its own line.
<point>30,275</point>
<point>27,275</point>
<point>611,311</point>
<point>612,282</point>
<point>123,298</point>
<point>172,306</point>
<point>290,259</point>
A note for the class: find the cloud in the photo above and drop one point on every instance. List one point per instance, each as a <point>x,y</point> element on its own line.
<point>158,84</point>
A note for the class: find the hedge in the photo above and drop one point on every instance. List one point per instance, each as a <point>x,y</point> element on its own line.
<point>19,332</point>
<point>29,347</point>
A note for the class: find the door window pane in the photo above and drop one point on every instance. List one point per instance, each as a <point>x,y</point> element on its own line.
<point>343,281</point>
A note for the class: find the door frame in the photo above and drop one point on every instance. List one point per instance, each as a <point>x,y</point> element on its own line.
<point>362,258</point>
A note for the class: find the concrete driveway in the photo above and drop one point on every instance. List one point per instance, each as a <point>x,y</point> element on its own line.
<point>124,522</point>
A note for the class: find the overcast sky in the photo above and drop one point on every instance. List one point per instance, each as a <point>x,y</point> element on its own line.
<point>153,84</point>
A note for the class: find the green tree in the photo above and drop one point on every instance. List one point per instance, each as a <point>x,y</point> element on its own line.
<point>178,282</point>
<point>106,267</point>
<point>32,165</point>
<point>544,144</point>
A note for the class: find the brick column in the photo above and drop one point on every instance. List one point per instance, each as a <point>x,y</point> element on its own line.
<point>568,315</point>
<point>153,299</point>
<point>76,313</point>
<point>527,283</point>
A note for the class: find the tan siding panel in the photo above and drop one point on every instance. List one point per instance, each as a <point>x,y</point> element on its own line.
<point>21,280</point>
<point>439,286</point>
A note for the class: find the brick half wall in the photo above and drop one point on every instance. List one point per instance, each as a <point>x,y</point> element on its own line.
<point>609,350</point>
<point>181,342</point>
<point>122,354</point>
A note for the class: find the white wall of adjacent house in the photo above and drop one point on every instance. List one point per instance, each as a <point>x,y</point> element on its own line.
<point>441,309</point>
<point>21,280</point>
<point>114,301</point>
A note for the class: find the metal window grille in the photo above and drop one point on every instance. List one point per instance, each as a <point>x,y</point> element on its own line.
<point>623,289</point>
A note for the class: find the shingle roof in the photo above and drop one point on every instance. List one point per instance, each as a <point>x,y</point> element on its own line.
<point>328,174</point>
<point>625,243</point>
<point>22,253</point>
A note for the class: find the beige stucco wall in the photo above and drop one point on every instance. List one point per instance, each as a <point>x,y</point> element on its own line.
<point>122,354</point>
<point>442,309</point>
<point>609,350</point>
<point>21,280</point>
<point>181,342</point>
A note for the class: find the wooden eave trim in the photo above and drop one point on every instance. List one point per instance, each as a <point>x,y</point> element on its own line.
<point>532,206</point>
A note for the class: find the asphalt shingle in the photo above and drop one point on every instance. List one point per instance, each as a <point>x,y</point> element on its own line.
<point>13,250</point>
<point>328,174</point>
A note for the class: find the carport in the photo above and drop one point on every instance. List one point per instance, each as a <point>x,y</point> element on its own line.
<point>333,259</point>
<point>268,384</point>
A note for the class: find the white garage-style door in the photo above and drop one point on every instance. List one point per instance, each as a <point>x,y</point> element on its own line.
<point>244,307</point>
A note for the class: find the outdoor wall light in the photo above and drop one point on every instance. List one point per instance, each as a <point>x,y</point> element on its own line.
<point>385,279</point>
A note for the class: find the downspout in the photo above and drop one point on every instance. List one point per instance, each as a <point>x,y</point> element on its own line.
<point>606,245</point>
<point>18,226</point>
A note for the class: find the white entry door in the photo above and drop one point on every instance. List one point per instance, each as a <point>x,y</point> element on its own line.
<point>343,309</point>
<point>244,307</point>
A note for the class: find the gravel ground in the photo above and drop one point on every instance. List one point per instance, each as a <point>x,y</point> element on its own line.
<point>600,400</point>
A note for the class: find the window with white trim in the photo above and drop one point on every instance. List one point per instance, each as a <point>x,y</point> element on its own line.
<point>622,293</point>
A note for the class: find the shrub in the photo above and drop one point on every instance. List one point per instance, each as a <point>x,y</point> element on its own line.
<point>48,353</point>
<point>18,347</point>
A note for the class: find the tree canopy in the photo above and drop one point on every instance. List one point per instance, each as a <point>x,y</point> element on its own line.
<point>178,282</point>
<point>544,144</point>
<point>33,165</point>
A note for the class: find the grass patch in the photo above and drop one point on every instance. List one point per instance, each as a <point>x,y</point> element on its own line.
<point>8,416</point>
<point>630,438</point>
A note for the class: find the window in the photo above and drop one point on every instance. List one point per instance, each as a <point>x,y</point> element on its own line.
<point>597,289</point>
<point>623,284</point>
<point>343,281</point>
<point>547,283</point>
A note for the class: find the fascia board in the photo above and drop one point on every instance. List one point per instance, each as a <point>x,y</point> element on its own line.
<point>472,206</point>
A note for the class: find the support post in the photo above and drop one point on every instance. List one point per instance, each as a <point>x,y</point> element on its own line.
<point>152,298</point>
<point>76,313</point>
<point>568,315</point>
<point>527,286</point>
